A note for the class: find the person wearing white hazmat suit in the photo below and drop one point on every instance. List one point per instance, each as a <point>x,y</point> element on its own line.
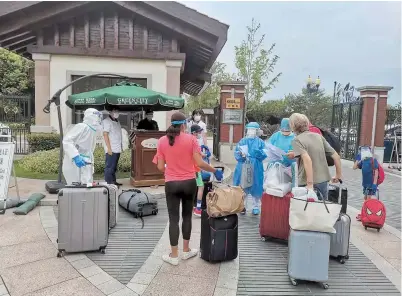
<point>79,145</point>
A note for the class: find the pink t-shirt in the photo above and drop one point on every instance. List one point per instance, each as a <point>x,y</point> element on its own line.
<point>179,160</point>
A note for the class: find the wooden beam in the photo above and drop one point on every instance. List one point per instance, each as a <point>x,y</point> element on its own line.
<point>86,30</point>
<point>72,33</point>
<point>174,45</point>
<point>101,52</point>
<point>102,30</point>
<point>145,46</point>
<point>5,39</point>
<point>39,38</point>
<point>56,35</point>
<point>116,30</point>
<point>46,13</point>
<point>131,33</point>
<point>17,42</point>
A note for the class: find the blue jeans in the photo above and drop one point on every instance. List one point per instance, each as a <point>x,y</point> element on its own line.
<point>111,167</point>
<point>322,188</point>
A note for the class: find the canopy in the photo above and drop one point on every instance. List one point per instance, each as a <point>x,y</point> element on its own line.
<point>127,97</point>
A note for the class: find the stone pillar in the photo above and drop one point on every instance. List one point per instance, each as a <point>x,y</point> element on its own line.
<point>231,124</point>
<point>173,70</point>
<point>369,95</point>
<point>42,93</point>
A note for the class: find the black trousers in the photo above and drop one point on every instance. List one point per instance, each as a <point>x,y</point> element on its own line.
<point>176,191</point>
<point>111,167</point>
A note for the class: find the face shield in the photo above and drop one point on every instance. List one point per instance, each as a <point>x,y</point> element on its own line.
<point>252,129</point>
<point>93,118</point>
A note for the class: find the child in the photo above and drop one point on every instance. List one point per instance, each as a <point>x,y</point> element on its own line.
<point>369,165</point>
<point>196,131</point>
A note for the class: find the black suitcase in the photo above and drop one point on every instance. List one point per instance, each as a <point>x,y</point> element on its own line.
<point>333,196</point>
<point>219,238</point>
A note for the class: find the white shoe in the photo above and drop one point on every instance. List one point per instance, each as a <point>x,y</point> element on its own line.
<point>187,255</point>
<point>170,260</point>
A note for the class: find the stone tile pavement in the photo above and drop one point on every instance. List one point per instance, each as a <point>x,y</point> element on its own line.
<point>28,263</point>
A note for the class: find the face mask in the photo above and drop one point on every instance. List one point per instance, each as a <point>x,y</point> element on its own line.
<point>252,133</point>
<point>115,115</point>
<point>197,118</point>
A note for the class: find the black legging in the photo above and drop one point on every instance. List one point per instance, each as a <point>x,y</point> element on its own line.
<point>185,192</point>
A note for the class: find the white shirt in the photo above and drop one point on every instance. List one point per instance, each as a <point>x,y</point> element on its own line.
<point>113,129</point>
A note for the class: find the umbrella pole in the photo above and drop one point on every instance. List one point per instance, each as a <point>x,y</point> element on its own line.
<point>61,140</point>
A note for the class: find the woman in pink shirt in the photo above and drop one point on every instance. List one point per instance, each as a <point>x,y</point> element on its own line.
<point>177,153</point>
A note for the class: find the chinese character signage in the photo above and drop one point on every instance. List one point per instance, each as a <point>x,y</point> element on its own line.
<point>230,116</point>
<point>6,162</point>
<point>232,103</point>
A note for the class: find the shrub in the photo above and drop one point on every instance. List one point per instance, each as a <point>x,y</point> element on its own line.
<point>47,162</point>
<point>43,141</point>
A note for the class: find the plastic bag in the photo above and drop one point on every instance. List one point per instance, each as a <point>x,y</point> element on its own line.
<point>274,153</point>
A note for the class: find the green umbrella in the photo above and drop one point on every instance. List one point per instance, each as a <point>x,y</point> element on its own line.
<point>127,96</point>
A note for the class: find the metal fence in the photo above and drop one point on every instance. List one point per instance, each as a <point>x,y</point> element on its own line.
<point>393,136</point>
<point>19,136</point>
<point>18,109</point>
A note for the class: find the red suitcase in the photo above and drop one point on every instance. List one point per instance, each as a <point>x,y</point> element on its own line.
<point>274,221</point>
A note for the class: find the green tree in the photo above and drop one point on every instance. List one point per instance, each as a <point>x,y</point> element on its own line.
<point>316,105</point>
<point>256,65</point>
<point>210,97</point>
<point>267,108</point>
<point>14,73</point>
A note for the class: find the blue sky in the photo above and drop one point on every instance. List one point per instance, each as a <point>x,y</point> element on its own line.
<point>356,42</point>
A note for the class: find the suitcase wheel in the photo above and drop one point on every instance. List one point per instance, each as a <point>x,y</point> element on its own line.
<point>103,251</point>
<point>60,254</point>
<point>294,282</point>
<point>324,286</point>
<point>365,227</point>
<point>378,229</point>
<point>347,257</point>
<point>342,261</point>
<point>263,238</point>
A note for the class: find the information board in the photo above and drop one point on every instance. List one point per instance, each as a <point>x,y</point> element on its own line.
<point>233,103</point>
<point>6,165</point>
<point>231,116</point>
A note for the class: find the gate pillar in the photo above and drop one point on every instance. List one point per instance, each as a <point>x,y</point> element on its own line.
<point>372,127</point>
<point>231,118</point>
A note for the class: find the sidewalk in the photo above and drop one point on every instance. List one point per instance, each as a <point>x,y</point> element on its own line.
<point>29,265</point>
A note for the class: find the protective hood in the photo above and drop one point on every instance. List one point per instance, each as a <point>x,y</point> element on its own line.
<point>285,126</point>
<point>93,118</point>
<point>251,129</point>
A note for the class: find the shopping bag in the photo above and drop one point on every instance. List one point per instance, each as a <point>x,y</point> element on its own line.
<point>274,153</point>
<point>247,175</point>
<point>313,215</point>
<point>225,200</point>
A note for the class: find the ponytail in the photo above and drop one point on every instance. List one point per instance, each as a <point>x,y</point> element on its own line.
<point>172,132</point>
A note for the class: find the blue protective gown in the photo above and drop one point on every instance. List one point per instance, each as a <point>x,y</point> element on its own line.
<point>257,155</point>
<point>284,143</point>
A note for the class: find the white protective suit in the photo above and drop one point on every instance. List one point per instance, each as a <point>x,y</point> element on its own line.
<point>81,140</point>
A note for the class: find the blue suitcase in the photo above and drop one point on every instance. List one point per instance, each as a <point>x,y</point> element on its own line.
<point>308,257</point>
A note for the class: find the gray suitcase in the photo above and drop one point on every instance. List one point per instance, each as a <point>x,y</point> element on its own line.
<point>339,248</point>
<point>83,219</point>
<point>308,257</point>
<point>114,207</point>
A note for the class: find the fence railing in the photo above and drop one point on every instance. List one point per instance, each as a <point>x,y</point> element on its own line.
<point>19,136</point>
<point>16,108</point>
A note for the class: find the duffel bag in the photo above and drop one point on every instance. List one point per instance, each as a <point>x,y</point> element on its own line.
<point>139,203</point>
<point>225,200</point>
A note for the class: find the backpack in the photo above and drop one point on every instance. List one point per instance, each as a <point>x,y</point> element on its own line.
<point>381,174</point>
<point>333,141</point>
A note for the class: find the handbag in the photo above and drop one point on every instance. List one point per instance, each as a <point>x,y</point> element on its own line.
<point>247,175</point>
<point>318,216</point>
<point>225,200</point>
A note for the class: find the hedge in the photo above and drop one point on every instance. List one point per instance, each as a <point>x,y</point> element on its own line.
<point>47,162</point>
<point>43,141</point>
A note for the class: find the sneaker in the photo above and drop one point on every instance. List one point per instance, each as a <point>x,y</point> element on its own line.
<point>170,260</point>
<point>243,212</point>
<point>197,212</point>
<point>359,217</point>
<point>256,211</point>
<point>190,254</point>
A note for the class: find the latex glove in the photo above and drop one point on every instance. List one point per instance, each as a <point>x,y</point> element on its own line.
<point>208,154</point>
<point>203,147</point>
<point>79,161</point>
<point>218,175</point>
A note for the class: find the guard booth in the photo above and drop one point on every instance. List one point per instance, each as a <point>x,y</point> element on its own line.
<point>229,120</point>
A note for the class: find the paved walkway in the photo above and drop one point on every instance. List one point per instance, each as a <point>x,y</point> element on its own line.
<point>28,263</point>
